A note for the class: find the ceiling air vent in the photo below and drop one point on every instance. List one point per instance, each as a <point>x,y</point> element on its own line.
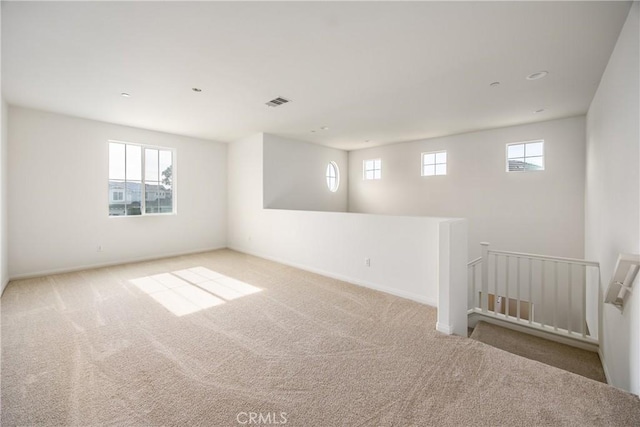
<point>277,101</point>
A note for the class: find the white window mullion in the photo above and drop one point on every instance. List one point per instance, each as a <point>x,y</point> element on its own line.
<point>143,193</point>
<point>126,205</point>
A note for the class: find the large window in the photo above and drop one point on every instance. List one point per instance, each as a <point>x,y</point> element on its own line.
<point>372,169</point>
<point>525,156</point>
<point>434,163</point>
<point>141,179</point>
<point>333,177</point>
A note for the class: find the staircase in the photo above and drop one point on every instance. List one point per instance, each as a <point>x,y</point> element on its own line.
<point>568,358</point>
<point>538,307</point>
<point>544,296</point>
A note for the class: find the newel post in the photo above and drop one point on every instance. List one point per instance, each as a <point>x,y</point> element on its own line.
<point>484,301</point>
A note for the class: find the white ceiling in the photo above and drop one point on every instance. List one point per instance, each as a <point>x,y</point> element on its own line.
<point>379,71</point>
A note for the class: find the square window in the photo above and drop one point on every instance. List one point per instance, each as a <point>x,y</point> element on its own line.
<point>372,169</point>
<point>434,163</point>
<point>525,156</point>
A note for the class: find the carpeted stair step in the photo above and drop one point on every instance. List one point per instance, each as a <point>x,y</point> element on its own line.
<point>568,358</point>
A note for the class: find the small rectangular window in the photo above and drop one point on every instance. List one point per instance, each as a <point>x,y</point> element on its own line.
<point>525,156</point>
<point>372,169</point>
<point>434,163</point>
<point>140,179</point>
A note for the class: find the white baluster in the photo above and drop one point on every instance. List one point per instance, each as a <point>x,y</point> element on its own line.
<point>506,286</point>
<point>569,279</point>
<point>484,303</point>
<point>530,290</point>
<point>518,288</point>
<point>542,304</point>
<point>555,296</point>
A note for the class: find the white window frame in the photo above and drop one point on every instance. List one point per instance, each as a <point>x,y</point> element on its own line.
<point>373,169</point>
<point>533,141</point>
<point>435,163</point>
<point>336,179</point>
<point>143,197</point>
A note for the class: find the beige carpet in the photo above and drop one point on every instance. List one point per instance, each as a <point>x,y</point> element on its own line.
<point>95,348</point>
<point>576,360</point>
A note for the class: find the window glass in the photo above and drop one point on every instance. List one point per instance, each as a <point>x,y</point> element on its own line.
<point>372,169</point>
<point>333,177</point>
<point>516,150</point>
<point>116,161</point>
<point>525,156</point>
<point>129,193</point>
<point>151,172</point>
<point>434,163</point>
<point>534,149</point>
<point>133,164</point>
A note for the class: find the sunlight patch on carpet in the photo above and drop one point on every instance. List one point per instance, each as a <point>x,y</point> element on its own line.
<point>191,290</point>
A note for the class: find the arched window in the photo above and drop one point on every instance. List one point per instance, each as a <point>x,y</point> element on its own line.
<point>333,177</point>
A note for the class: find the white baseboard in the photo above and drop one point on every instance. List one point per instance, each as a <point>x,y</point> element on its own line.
<point>396,292</point>
<point>604,366</point>
<point>110,263</point>
<point>445,329</point>
<point>3,285</point>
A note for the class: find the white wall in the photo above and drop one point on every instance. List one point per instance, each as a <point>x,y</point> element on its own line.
<point>58,171</point>
<point>295,176</point>
<point>403,250</point>
<point>4,229</point>
<point>613,196</point>
<point>4,249</point>
<point>452,278</point>
<point>538,212</point>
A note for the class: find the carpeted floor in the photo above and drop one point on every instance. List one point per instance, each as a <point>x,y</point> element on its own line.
<point>576,360</point>
<point>138,345</point>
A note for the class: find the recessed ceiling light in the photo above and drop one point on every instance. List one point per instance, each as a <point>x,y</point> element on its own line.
<point>495,84</point>
<point>538,75</point>
<point>196,89</point>
<point>324,128</point>
<point>125,94</point>
<point>541,110</point>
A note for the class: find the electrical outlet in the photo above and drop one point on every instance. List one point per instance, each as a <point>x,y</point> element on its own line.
<point>367,262</point>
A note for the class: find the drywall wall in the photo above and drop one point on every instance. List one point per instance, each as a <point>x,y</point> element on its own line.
<point>403,251</point>
<point>452,278</point>
<point>295,176</point>
<point>4,250</point>
<point>612,206</point>
<point>58,171</point>
<point>4,228</point>
<point>537,212</point>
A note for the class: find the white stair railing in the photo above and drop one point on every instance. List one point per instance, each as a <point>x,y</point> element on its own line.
<point>535,291</point>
